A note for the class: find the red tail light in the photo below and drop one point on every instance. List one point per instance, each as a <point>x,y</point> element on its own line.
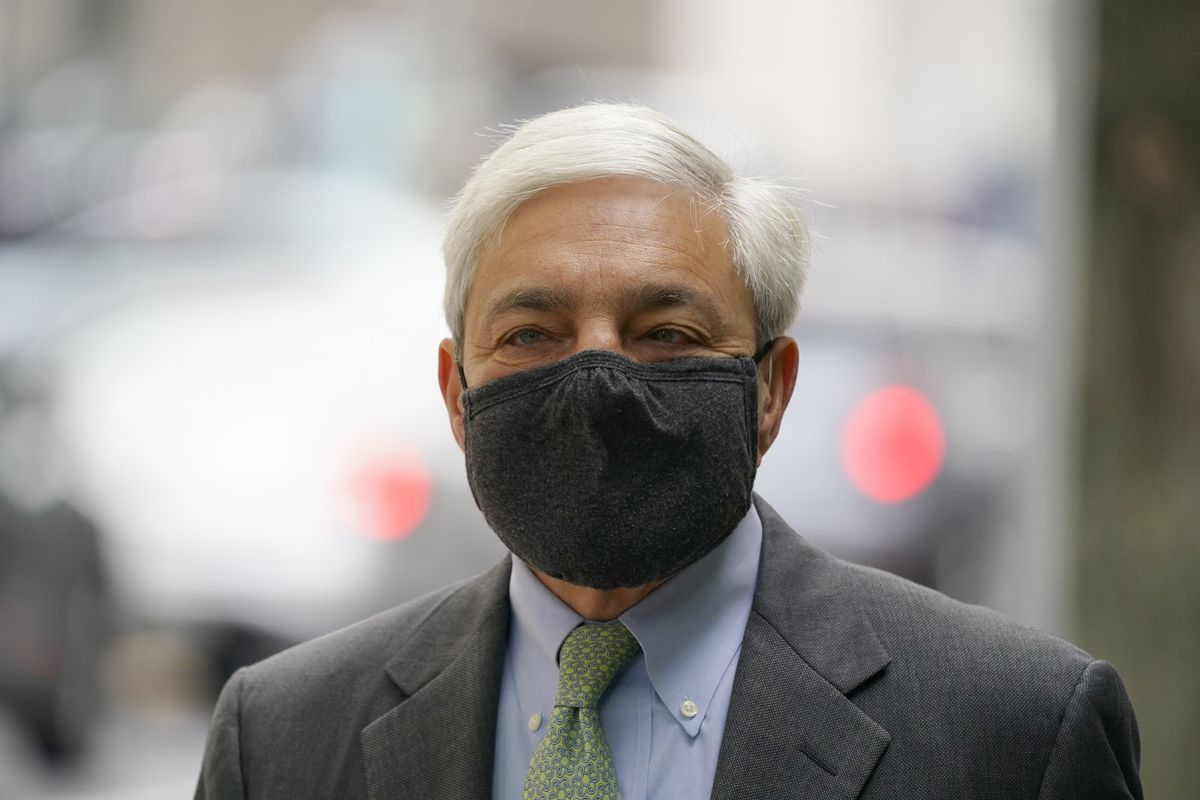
<point>893,444</point>
<point>397,497</point>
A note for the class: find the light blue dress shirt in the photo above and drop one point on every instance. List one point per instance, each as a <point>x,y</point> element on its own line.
<point>664,714</point>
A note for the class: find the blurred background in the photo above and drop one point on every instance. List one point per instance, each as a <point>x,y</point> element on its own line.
<point>220,431</point>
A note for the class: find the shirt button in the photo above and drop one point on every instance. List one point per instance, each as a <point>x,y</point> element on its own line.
<point>688,709</point>
<point>535,721</point>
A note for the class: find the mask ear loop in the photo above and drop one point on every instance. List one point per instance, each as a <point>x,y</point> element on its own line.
<point>462,376</point>
<point>762,351</point>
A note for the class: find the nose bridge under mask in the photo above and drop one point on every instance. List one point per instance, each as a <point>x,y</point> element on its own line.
<point>619,404</point>
<point>591,373</point>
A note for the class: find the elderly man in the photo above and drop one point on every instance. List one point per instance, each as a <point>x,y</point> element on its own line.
<point>618,300</point>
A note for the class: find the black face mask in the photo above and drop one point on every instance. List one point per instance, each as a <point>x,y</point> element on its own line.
<point>607,472</point>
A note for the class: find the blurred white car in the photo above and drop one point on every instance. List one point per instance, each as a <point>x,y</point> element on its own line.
<point>251,414</point>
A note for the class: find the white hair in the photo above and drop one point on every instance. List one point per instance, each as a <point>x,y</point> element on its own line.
<point>767,242</point>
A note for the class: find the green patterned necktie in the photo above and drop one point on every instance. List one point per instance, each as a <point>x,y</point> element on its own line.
<point>573,760</point>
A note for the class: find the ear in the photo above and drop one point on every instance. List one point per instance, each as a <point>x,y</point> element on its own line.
<point>776,380</point>
<point>452,389</point>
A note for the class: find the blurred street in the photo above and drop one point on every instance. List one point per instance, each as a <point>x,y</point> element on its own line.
<point>146,740</point>
<point>136,757</point>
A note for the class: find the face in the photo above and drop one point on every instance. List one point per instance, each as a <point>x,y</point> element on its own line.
<point>621,264</point>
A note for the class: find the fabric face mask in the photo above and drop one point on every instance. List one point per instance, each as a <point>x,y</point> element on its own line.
<point>607,472</point>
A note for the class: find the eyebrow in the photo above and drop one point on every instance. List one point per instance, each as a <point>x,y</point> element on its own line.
<point>529,299</point>
<point>653,297</point>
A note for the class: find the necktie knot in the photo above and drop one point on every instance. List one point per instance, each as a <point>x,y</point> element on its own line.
<point>589,658</point>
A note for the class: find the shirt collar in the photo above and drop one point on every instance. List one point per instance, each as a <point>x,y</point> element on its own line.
<point>690,628</point>
<point>542,620</point>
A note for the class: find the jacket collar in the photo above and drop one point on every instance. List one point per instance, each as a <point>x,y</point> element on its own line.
<point>805,594</point>
<point>440,740</point>
<point>806,647</point>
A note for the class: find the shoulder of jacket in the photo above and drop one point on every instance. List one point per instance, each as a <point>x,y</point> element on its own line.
<point>920,624</point>
<point>365,647</point>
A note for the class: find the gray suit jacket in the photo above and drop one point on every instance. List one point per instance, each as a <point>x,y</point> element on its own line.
<point>851,684</point>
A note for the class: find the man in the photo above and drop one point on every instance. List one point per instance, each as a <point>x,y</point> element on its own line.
<point>618,300</point>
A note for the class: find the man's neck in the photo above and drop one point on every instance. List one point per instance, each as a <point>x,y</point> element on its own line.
<point>597,605</point>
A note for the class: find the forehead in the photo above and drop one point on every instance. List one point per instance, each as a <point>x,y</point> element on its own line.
<point>600,238</point>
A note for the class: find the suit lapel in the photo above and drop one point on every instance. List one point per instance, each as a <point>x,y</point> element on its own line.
<point>791,730</point>
<point>440,740</point>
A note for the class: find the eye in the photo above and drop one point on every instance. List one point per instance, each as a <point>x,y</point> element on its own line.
<point>668,336</point>
<point>527,337</point>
